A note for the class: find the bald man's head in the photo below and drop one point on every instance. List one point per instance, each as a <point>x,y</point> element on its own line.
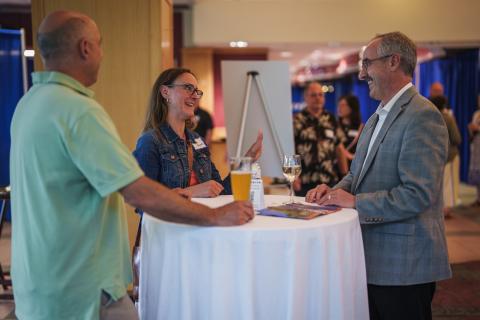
<point>436,89</point>
<point>58,34</point>
<point>70,42</point>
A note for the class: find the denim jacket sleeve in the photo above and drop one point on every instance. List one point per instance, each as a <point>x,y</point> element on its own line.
<point>148,156</point>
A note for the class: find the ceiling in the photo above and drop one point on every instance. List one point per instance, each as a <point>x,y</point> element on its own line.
<point>308,58</point>
<point>323,38</point>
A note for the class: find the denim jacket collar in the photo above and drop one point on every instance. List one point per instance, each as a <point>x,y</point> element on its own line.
<point>171,136</point>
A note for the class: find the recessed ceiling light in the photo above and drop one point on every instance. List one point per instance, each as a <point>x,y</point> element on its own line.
<point>242,44</point>
<point>238,44</point>
<point>285,54</point>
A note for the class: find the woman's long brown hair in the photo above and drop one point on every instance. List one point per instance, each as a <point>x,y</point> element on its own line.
<point>157,108</point>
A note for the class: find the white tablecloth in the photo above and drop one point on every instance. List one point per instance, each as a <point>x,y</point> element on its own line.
<point>270,268</point>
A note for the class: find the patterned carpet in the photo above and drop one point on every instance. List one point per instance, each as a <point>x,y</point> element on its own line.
<point>459,297</point>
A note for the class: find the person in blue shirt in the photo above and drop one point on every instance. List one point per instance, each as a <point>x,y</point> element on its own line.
<point>169,151</point>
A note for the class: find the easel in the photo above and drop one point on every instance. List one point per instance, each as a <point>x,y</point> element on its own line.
<point>254,75</point>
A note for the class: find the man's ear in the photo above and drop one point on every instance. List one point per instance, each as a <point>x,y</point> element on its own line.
<point>83,48</point>
<point>394,62</point>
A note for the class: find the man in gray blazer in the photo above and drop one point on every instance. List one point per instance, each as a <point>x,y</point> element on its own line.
<point>395,183</point>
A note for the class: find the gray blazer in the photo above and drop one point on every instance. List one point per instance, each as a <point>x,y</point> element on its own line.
<point>399,194</point>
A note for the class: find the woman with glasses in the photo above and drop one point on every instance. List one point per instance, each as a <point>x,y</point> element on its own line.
<point>168,150</point>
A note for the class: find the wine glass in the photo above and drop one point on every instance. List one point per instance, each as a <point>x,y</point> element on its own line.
<point>292,167</point>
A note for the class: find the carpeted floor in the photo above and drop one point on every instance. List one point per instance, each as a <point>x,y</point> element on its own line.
<point>472,213</point>
<point>459,297</point>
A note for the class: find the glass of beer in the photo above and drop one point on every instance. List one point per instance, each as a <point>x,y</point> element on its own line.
<point>241,177</point>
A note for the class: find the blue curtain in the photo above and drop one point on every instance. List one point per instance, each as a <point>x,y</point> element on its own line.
<point>11,90</point>
<point>459,73</point>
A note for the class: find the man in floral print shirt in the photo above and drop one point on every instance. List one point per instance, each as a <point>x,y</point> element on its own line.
<point>317,140</point>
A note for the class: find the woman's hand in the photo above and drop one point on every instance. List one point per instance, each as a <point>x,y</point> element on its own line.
<point>183,192</point>
<point>255,151</point>
<point>209,189</point>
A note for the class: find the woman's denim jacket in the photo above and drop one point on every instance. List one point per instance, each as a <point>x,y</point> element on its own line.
<point>163,157</point>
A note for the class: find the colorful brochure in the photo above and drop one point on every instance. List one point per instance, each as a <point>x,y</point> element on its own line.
<point>298,211</point>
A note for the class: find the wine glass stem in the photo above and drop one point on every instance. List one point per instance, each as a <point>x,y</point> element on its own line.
<point>291,192</point>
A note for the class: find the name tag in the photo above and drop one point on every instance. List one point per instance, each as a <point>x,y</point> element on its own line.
<point>352,133</point>
<point>329,133</point>
<point>198,144</point>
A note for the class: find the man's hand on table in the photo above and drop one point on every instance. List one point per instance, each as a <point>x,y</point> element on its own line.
<point>234,214</point>
<point>323,195</point>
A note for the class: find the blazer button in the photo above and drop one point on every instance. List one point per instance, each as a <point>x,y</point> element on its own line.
<point>201,170</point>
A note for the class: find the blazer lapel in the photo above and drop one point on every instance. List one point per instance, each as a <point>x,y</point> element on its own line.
<point>362,152</point>
<point>396,110</point>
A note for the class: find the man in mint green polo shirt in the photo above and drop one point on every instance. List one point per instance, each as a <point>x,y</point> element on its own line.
<point>70,174</point>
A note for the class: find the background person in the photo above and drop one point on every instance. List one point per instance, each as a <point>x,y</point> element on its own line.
<point>350,122</point>
<point>203,124</point>
<point>474,168</point>
<point>394,183</point>
<point>437,90</point>
<point>454,140</point>
<point>318,142</point>
<point>69,171</point>
<point>168,150</point>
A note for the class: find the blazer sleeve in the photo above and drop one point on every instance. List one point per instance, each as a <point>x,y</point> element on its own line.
<point>421,161</point>
<point>345,183</point>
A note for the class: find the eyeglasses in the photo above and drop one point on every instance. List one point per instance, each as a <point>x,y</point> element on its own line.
<point>190,88</point>
<point>365,63</point>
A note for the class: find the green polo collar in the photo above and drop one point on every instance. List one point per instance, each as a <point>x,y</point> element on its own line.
<point>44,77</point>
